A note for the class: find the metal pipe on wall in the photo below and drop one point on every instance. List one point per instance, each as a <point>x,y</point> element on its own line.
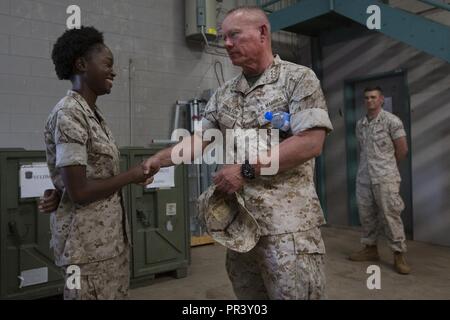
<point>130,101</point>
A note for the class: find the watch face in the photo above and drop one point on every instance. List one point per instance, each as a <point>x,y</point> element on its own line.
<point>248,171</point>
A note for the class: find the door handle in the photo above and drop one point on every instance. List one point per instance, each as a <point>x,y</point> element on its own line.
<point>143,219</point>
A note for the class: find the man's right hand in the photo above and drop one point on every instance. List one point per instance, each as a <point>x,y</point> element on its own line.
<point>151,166</point>
<point>142,174</point>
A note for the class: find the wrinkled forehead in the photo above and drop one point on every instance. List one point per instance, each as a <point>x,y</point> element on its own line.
<point>240,20</point>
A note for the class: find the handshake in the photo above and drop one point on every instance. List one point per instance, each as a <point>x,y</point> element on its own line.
<point>144,172</point>
<point>141,174</point>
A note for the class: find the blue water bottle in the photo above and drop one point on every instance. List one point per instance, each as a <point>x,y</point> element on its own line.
<point>280,120</point>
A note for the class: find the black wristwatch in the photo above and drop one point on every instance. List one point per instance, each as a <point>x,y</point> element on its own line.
<point>248,171</point>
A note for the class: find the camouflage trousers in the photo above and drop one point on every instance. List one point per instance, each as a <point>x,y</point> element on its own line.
<point>380,207</point>
<point>103,280</point>
<point>281,267</point>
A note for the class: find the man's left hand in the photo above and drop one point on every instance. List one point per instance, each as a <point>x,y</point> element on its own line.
<point>229,179</point>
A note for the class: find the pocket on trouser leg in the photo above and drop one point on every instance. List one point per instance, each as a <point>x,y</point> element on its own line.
<point>115,278</point>
<point>245,276</point>
<point>103,280</point>
<point>310,265</point>
<point>393,225</point>
<point>87,290</point>
<point>310,279</point>
<point>396,203</point>
<point>308,242</point>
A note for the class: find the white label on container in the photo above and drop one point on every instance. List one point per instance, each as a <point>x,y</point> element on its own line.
<point>171,209</point>
<point>33,276</point>
<point>165,178</point>
<point>34,180</point>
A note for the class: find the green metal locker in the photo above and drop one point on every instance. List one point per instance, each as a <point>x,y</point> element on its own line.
<point>159,224</point>
<point>24,235</point>
<point>158,221</point>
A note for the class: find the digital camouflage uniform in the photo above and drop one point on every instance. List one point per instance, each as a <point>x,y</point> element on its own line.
<point>93,236</point>
<point>378,180</point>
<point>103,280</point>
<point>288,261</point>
<point>227,220</point>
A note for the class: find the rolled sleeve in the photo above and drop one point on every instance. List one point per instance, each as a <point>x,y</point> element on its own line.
<point>71,137</point>
<point>70,154</point>
<point>310,118</point>
<point>307,105</point>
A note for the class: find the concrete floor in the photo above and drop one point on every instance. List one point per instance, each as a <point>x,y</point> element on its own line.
<point>430,277</point>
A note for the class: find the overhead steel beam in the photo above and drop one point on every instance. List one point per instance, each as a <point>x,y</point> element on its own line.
<point>416,31</point>
<point>299,12</point>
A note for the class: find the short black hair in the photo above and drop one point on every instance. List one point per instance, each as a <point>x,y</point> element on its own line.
<point>71,45</point>
<point>374,88</point>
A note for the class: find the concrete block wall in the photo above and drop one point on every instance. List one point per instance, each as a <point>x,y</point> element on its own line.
<point>164,67</point>
<point>154,63</point>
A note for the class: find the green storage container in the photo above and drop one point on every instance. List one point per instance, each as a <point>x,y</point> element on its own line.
<point>158,218</point>
<point>159,224</point>
<point>24,235</point>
